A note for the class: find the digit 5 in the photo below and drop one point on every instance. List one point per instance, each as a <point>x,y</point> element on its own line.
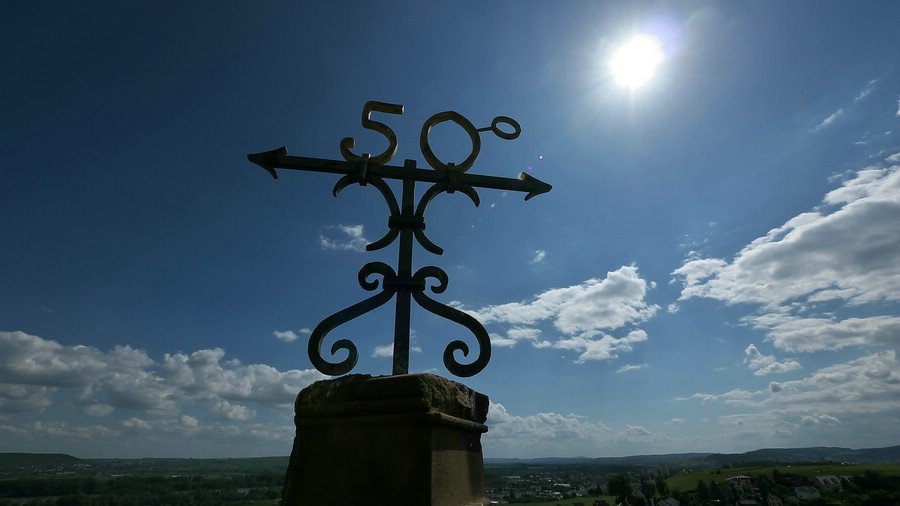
<point>367,122</point>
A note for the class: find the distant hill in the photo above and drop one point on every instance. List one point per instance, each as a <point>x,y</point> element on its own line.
<point>708,460</point>
<point>20,460</point>
<point>889,454</point>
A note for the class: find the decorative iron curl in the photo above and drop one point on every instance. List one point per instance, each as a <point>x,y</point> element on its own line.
<point>343,316</point>
<point>362,178</point>
<point>449,185</point>
<point>481,335</point>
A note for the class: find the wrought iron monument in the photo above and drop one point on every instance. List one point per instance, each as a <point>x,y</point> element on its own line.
<point>406,221</point>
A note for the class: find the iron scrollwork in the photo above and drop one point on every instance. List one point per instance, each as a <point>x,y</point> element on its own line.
<point>406,222</point>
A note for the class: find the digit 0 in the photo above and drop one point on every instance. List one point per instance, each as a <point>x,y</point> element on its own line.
<point>466,125</point>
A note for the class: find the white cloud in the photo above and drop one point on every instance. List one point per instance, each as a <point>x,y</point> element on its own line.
<point>853,393</point>
<point>384,351</point>
<point>676,421</point>
<point>586,308</point>
<point>636,431</point>
<point>147,396</point>
<point>33,369</point>
<point>387,350</point>
<point>499,341</point>
<point>696,271</point>
<point>843,252</point>
<point>583,313</point>
<point>541,425</point>
<point>828,121</point>
<point>629,368</point>
<point>98,409</point>
<point>735,396</point>
<point>516,334</point>
<point>30,360</point>
<point>538,256</point>
<point>820,418</point>
<point>16,399</point>
<point>767,364</point>
<point>778,368</point>
<point>895,158</point>
<point>136,423</point>
<point>228,411</point>
<point>286,335</point>
<point>63,429</point>
<point>203,376</point>
<point>808,334</point>
<point>605,348</point>
<point>161,437</point>
<point>349,237</point>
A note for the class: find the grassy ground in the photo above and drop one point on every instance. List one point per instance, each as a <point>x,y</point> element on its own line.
<point>688,481</point>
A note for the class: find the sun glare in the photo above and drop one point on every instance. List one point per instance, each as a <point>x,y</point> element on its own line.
<point>634,63</point>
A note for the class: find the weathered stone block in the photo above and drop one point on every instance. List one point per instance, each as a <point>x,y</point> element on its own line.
<point>410,440</point>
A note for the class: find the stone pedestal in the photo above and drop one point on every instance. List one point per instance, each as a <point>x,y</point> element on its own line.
<point>406,440</point>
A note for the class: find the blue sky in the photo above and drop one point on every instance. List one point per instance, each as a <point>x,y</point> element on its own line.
<point>715,269</point>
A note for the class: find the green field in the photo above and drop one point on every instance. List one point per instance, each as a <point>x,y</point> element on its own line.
<point>688,481</point>
<point>588,501</point>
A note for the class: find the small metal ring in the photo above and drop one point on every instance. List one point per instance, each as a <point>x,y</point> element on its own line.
<point>517,129</point>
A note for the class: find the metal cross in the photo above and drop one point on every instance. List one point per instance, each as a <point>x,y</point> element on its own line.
<point>407,221</point>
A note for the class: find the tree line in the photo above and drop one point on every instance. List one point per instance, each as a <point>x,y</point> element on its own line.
<point>141,490</point>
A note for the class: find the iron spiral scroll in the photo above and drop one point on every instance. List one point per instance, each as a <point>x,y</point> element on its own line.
<point>406,222</point>
<point>391,284</point>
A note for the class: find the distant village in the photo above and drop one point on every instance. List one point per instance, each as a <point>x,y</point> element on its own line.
<point>649,486</point>
<point>259,481</point>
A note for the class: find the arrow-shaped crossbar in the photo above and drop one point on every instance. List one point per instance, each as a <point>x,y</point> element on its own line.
<point>279,159</point>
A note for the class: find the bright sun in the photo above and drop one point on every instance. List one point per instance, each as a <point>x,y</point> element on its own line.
<point>634,62</point>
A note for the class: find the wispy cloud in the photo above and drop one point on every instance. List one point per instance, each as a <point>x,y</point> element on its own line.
<point>551,433</point>
<point>857,392</point>
<point>867,89</point>
<point>538,256</point>
<point>629,368</point>
<point>825,123</point>
<point>349,237</point>
<point>509,431</point>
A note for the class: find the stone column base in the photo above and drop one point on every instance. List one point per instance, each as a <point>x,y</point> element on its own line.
<point>406,440</point>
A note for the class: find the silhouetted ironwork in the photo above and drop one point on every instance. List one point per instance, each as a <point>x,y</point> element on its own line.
<point>406,221</point>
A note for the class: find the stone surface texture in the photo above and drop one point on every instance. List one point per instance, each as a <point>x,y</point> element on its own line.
<point>412,440</point>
